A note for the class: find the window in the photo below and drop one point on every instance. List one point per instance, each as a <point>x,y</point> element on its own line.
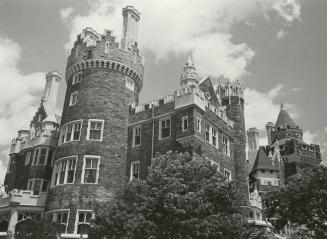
<point>214,138</point>
<point>43,156</point>
<point>129,83</point>
<point>269,183</point>
<point>263,171</point>
<point>60,217</point>
<point>135,170</point>
<point>83,220</point>
<point>106,50</point>
<point>70,132</point>
<point>77,78</point>
<point>90,173</point>
<point>136,136</point>
<point>64,171</point>
<point>228,174</point>
<point>35,156</point>
<point>27,158</point>
<point>207,132</point>
<point>73,98</point>
<point>198,124</point>
<point>185,123</point>
<point>37,185</point>
<point>164,128</point>
<point>225,142</point>
<point>95,130</point>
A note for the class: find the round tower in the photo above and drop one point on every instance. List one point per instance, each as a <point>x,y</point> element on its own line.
<point>232,97</point>
<point>103,79</point>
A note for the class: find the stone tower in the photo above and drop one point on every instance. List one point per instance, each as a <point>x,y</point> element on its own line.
<point>103,79</point>
<point>232,97</point>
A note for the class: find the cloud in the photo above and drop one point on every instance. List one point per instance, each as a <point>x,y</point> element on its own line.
<point>202,28</point>
<point>3,164</point>
<point>65,13</point>
<point>18,92</point>
<point>297,89</point>
<point>260,107</point>
<point>282,34</point>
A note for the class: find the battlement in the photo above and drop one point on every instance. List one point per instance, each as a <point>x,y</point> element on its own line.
<point>230,89</point>
<point>183,97</point>
<point>133,11</point>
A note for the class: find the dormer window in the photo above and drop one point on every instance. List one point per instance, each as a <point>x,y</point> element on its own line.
<point>208,95</point>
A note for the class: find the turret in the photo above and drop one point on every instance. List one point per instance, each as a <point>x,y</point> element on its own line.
<point>130,27</point>
<point>189,76</point>
<point>50,93</point>
<point>232,97</point>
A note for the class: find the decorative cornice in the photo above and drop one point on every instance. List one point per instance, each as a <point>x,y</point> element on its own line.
<point>101,63</point>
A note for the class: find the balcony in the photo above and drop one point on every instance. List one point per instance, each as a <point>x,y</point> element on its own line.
<point>22,198</point>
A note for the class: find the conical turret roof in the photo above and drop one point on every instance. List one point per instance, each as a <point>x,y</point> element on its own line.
<point>284,119</point>
<point>263,161</point>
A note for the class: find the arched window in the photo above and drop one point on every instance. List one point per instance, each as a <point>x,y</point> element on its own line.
<point>106,50</point>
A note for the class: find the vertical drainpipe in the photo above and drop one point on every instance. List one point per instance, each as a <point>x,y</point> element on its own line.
<point>152,140</point>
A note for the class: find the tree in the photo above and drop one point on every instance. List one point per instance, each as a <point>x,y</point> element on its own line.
<point>36,229</point>
<point>183,197</point>
<point>303,201</point>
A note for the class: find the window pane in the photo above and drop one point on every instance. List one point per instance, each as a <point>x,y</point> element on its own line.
<point>50,154</point>
<point>37,187</point>
<point>70,176</point>
<point>90,176</point>
<point>95,134</point>
<point>81,217</point>
<point>43,156</point>
<point>88,162</point>
<point>83,229</point>
<point>45,186</point>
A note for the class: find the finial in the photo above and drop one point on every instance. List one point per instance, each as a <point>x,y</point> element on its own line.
<point>189,61</point>
<point>282,106</point>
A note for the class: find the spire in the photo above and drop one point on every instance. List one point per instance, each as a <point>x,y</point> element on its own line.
<point>189,75</point>
<point>284,119</point>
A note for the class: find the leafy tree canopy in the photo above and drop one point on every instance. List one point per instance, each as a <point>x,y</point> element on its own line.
<point>303,201</point>
<point>183,197</point>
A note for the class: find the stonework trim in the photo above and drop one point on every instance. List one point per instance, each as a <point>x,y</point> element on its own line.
<point>101,63</point>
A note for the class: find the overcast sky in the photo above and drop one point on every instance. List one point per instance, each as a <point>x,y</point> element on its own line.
<point>277,48</point>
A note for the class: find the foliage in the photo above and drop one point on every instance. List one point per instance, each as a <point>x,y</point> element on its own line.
<point>36,229</point>
<point>183,197</point>
<point>303,201</point>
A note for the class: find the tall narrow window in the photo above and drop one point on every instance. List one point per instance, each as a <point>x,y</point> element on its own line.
<point>90,169</point>
<point>129,83</point>
<point>135,170</point>
<point>164,128</point>
<point>77,130</point>
<point>61,218</point>
<point>228,174</point>
<point>207,132</point>
<point>37,187</point>
<point>136,136</point>
<point>106,50</point>
<point>95,130</point>
<point>71,167</point>
<point>185,123</point>
<point>77,78</point>
<point>27,158</point>
<point>198,124</point>
<point>69,132</point>
<point>225,142</point>
<point>62,171</point>
<point>73,98</point>
<point>50,157</point>
<point>35,156</point>
<point>43,156</point>
<point>214,138</point>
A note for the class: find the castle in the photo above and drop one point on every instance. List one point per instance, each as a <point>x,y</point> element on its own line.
<point>59,167</point>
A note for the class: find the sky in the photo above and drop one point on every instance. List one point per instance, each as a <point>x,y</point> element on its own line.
<point>276,48</point>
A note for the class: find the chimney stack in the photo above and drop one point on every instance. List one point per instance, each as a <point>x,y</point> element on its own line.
<point>130,27</point>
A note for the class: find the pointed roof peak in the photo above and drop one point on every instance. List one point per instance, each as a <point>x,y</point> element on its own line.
<point>282,106</point>
<point>189,61</point>
<point>284,119</point>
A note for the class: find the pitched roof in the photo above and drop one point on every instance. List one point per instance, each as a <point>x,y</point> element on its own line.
<point>284,119</point>
<point>263,161</point>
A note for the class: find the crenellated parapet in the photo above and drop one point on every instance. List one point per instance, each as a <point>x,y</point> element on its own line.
<point>94,50</point>
<point>230,89</point>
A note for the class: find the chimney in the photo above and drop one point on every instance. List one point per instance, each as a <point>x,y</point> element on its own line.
<point>253,139</point>
<point>131,17</point>
<point>269,127</point>
<point>50,93</point>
